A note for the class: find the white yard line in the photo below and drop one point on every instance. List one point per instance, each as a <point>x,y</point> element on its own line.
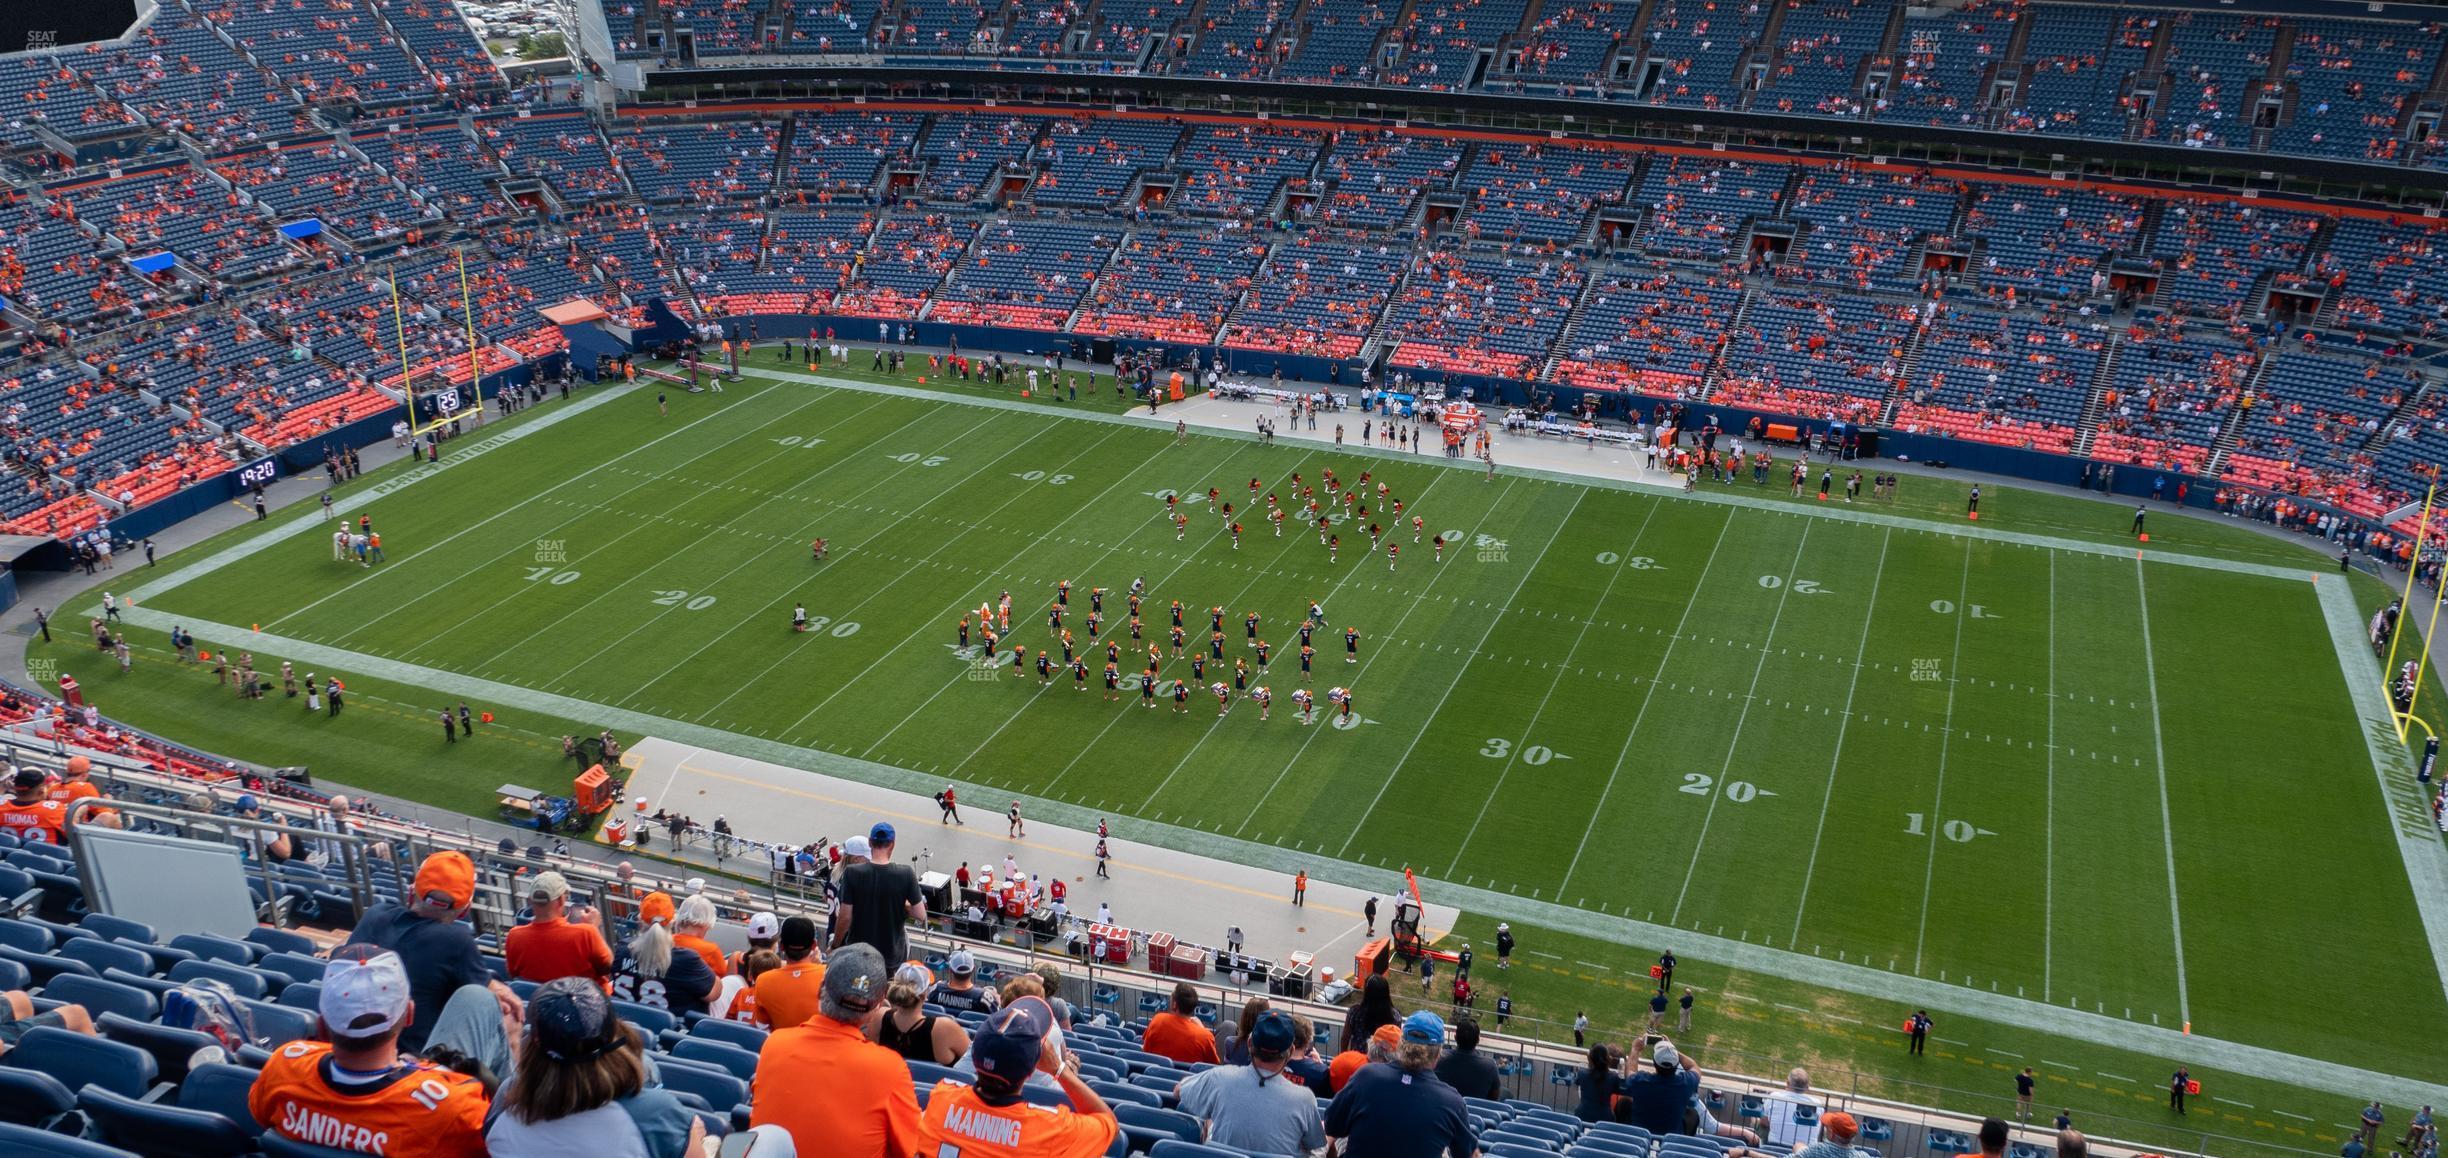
<point>1648,697</point>
<point>1417,599</point>
<point>2167,823</point>
<point>725,525</point>
<point>1095,503</point>
<point>629,456</point>
<point>1017,493</point>
<point>1929,874</point>
<point>1459,669</point>
<point>2048,861</point>
<point>1530,729</point>
<point>1734,741</point>
<point>1861,659</point>
<point>793,540</point>
<point>1046,790</point>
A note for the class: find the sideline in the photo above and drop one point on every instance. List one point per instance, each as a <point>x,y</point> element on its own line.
<point>2329,1077</point>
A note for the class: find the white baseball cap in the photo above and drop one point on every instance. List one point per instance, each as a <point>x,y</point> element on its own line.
<point>365,992</point>
<point>855,846</point>
<point>764,926</point>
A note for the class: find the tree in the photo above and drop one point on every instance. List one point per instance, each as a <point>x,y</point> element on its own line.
<point>545,46</point>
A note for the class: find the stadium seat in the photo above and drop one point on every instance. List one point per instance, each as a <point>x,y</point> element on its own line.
<point>112,928</point>
<point>42,967</point>
<point>100,997</point>
<point>158,1131</point>
<point>306,995</point>
<point>157,986</point>
<point>1176,1148</point>
<point>216,948</point>
<point>28,1142</point>
<point>742,1063</point>
<point>278,1025</point>
<point>1495,1147</point>
<point>731,1032</point>
<point>1174,1122</point>
<point>275,1146</point>
<point>718,1087</point>
<point>107,955</point>
<point>28,938</point>
<point>1118,1094</point>
<point>247,982</point>
<point>76,1059</point>
<point>273,940</point>
<point>649,1020</point>
<point>297,967</point>
<point>32,1097</point>
<point>171,1049</point>
<point>929,1073</point>
<point>221,1088</point>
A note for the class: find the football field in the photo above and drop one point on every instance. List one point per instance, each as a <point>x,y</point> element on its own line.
<point>2004,755</point>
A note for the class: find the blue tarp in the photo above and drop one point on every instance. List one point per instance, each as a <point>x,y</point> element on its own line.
<point>302,229</point>
<point>154,262</point>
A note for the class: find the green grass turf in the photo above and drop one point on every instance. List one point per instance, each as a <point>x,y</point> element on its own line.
<point>1661,736</point>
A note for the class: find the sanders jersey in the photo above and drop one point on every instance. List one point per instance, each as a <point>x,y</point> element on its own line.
<point>958,1124</point>
<point>415,1111</point>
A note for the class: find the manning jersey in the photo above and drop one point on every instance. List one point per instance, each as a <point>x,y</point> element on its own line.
<point>414,1111</point>
<point>958,1124</point>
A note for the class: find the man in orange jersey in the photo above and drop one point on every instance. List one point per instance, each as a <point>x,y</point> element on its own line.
<point>550,946</point>
<point>29,815</point>
<point>991,1120</point>
<point>789,995</point>
<point>835,1091</point>
<point>75,784</point>
<point>357,1092</point>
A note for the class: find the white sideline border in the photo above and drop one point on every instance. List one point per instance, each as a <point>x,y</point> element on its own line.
<point>2426,861</point>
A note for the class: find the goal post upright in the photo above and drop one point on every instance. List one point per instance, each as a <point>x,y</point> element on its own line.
<point>2422,659</point>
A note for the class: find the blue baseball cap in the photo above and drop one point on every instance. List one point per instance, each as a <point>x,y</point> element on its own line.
<point>1006,1049</point>
<point>248,803</point>
<point>881,834</point>
<point>1425,1028</point>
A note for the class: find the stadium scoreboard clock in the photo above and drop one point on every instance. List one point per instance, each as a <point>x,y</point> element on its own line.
<point>261,472</point>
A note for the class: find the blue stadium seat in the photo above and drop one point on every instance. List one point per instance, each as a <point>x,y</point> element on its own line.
<point>278,1025</point>
<point>248,982</point>
<point>158,1131</point>
<point>164,957</point>
<point>294,966</point>
<point>20,935</point>
<point>740,1062</point>
<point>112,928</point>
<point>15,976</point>
<point>649,1020</point>
<point>306,995</point>
<point>1176,1148</point>
<point>736,1033</point>
<point>32,1097</point>
<point>1173,1122</point>
<point>221,1088</point>
<point>1494,1147</point>
<point>272,940</point>
<point>106,955</point>
<point>157,986</point>
<point>1117,1094</point>
<point>100,997</point>
<point>28,1142</point>
<point>928,1073</point>
<point>720,1088</point>
<point>76,1059</point>
<point>170,1048</point>
<point>42,967</point>
<point>216,948</point>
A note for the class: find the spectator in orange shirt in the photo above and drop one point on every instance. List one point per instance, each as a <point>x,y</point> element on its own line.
<point>28,816</point>
<point>1178,1034</point>
<point>835,1091</point>
<point>991,1120</point>
<point>357,1092</point>
<point>789,995</point>
<point>697,918</point>
<point>551,946</point>
<point>75,784</point>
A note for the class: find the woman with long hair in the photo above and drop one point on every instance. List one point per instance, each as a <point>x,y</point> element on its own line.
<point>1598,1085</point>
<point>1376,1008</point>
<point>581,1087</point>
<point>909,1030</point>
<point>654,973</point>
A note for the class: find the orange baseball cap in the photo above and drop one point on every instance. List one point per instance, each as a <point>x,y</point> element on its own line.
<point>1344,1065</point>
<point>656,907</point>
<point>448,874</point>
<point>1838,1126</point>
<point>1388,1035</point>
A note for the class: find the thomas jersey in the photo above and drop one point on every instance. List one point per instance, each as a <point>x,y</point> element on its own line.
<point>42,822</point>
<point>419,1110</point>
